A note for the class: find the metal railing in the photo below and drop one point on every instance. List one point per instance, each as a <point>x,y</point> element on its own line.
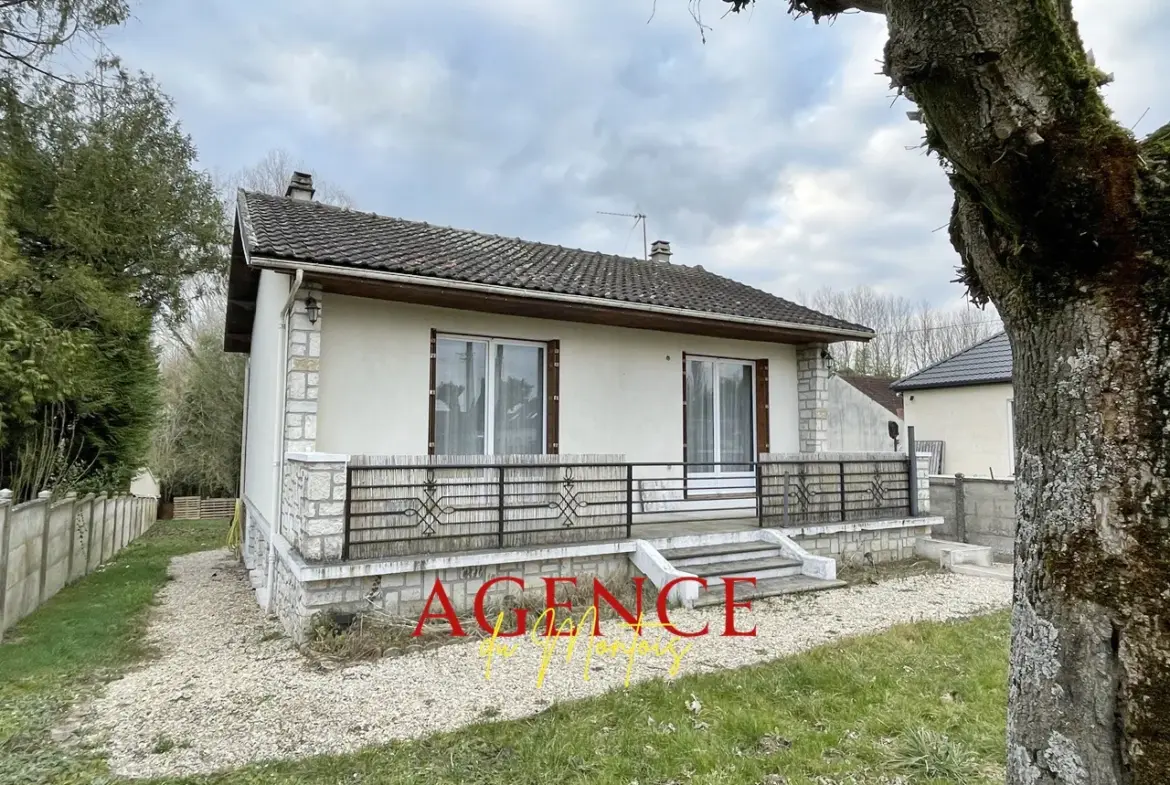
<point>395,510</point>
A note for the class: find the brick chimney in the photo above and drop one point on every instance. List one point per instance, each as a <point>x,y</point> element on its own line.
<point>300,186</point>
<point>660,251</point>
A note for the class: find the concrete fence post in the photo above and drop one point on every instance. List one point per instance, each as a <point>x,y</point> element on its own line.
<point>71,497</point>
<point>101,539</point>
<point>5,532</point>
<point>120,517</point>
<point>44,499</point>
<point>93,504</point>
<point>960,509</point>
<point>912,469</point>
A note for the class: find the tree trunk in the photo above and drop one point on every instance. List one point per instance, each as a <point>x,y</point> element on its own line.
<point>1062,220</point>
<point>1090,682</point>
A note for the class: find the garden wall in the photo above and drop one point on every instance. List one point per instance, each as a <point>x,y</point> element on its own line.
<point>48,543</point>
<point>977,510</point>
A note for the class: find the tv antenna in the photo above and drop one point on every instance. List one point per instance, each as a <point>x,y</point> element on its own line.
<point>638,217</point>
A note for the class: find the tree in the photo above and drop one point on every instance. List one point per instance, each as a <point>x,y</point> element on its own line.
<point>196,443</point>
<point>1062,219</point>
<point>106,216</point>
<point>270,175</point>
<point>195,446</point>
<point>31,30</point>
<point>909,336</point>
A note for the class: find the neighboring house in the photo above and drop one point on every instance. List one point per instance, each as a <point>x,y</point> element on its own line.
<point>428,401</point>
<point>861,409</point>
<point>966,402</point>
<point>145,484</point>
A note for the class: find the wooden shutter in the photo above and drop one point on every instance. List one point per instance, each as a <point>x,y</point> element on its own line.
<point>552,384</point>
<point>763,425</point>
<point>432,397</point>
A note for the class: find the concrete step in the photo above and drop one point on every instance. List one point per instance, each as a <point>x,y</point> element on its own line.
<point>768,567</point>
<point>769,587</point>
<point>949,554</point>
<point>1001,572</point>
<point>683,558</point>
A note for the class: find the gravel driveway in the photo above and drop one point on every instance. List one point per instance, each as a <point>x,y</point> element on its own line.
<point>225,691</point>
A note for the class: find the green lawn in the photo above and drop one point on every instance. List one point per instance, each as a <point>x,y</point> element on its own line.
<point>925,702</point>
<point>89,630</point>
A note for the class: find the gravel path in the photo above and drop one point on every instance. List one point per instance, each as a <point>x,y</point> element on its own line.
<point>223,695</point>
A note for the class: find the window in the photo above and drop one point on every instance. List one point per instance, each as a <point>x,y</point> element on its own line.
<point>488,396</point>
<point>720,415</point>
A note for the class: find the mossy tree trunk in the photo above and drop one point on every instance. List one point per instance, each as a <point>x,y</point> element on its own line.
<point>1062,220</point>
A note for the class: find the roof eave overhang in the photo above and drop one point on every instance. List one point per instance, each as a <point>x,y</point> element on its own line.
<point>243,283</point>
<point>490,298</point>
<point>912,387</point>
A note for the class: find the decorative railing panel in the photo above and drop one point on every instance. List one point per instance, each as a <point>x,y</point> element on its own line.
<point>426,504</point>
<point>844,487</point>
<point>403,505</point>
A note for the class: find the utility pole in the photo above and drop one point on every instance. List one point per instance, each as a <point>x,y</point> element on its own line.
<point>638,217</point>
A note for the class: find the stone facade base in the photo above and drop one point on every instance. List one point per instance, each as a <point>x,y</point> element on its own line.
<point>854,544</point>
<point>302,590</point>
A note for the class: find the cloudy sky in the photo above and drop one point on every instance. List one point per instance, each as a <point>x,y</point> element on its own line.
<point>773,153</point>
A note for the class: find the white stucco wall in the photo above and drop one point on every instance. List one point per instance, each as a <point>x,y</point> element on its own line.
<point>144,483</point>
<point>858,423</point>
<point>973,421</point>
<point>264,387</point>
<point>621,389</point>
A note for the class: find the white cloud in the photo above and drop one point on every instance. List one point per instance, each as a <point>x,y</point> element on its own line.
<point>775,152</point>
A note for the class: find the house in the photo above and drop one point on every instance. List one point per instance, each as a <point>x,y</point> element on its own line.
<point>426,402</point>
<point>966,403</point>
<point>863,412</point>
<point>144,483</point>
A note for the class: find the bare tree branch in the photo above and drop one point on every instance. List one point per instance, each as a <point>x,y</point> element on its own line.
<point>819,8</point>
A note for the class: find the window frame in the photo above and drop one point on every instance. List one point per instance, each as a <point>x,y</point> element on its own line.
<point>688,470</point>
<point>1011,429</point>
<point>489,385</point>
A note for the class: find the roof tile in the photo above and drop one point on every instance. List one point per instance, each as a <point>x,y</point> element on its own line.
<point>877,388</point>
<point>987,362</point>
<point>303,230</point>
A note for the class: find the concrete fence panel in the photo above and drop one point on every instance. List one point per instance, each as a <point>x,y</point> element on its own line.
<point>977,510</point>
<point>55,571</point>
<point>82,519</point>
<point>48,543</point>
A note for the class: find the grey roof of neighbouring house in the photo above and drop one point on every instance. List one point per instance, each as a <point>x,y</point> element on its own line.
<point>307,231</point>
<point>987,362</point>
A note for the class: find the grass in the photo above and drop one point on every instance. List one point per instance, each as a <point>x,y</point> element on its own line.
<point>87,632</point>
<point>921,704</point>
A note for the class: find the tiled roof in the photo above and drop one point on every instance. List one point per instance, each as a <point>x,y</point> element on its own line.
<point>877,388</point>
<point>308,231</point>
<point>987,362</point>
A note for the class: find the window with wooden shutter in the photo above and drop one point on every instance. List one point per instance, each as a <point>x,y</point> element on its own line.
<point>493,396</point>
<point>719,413</point>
